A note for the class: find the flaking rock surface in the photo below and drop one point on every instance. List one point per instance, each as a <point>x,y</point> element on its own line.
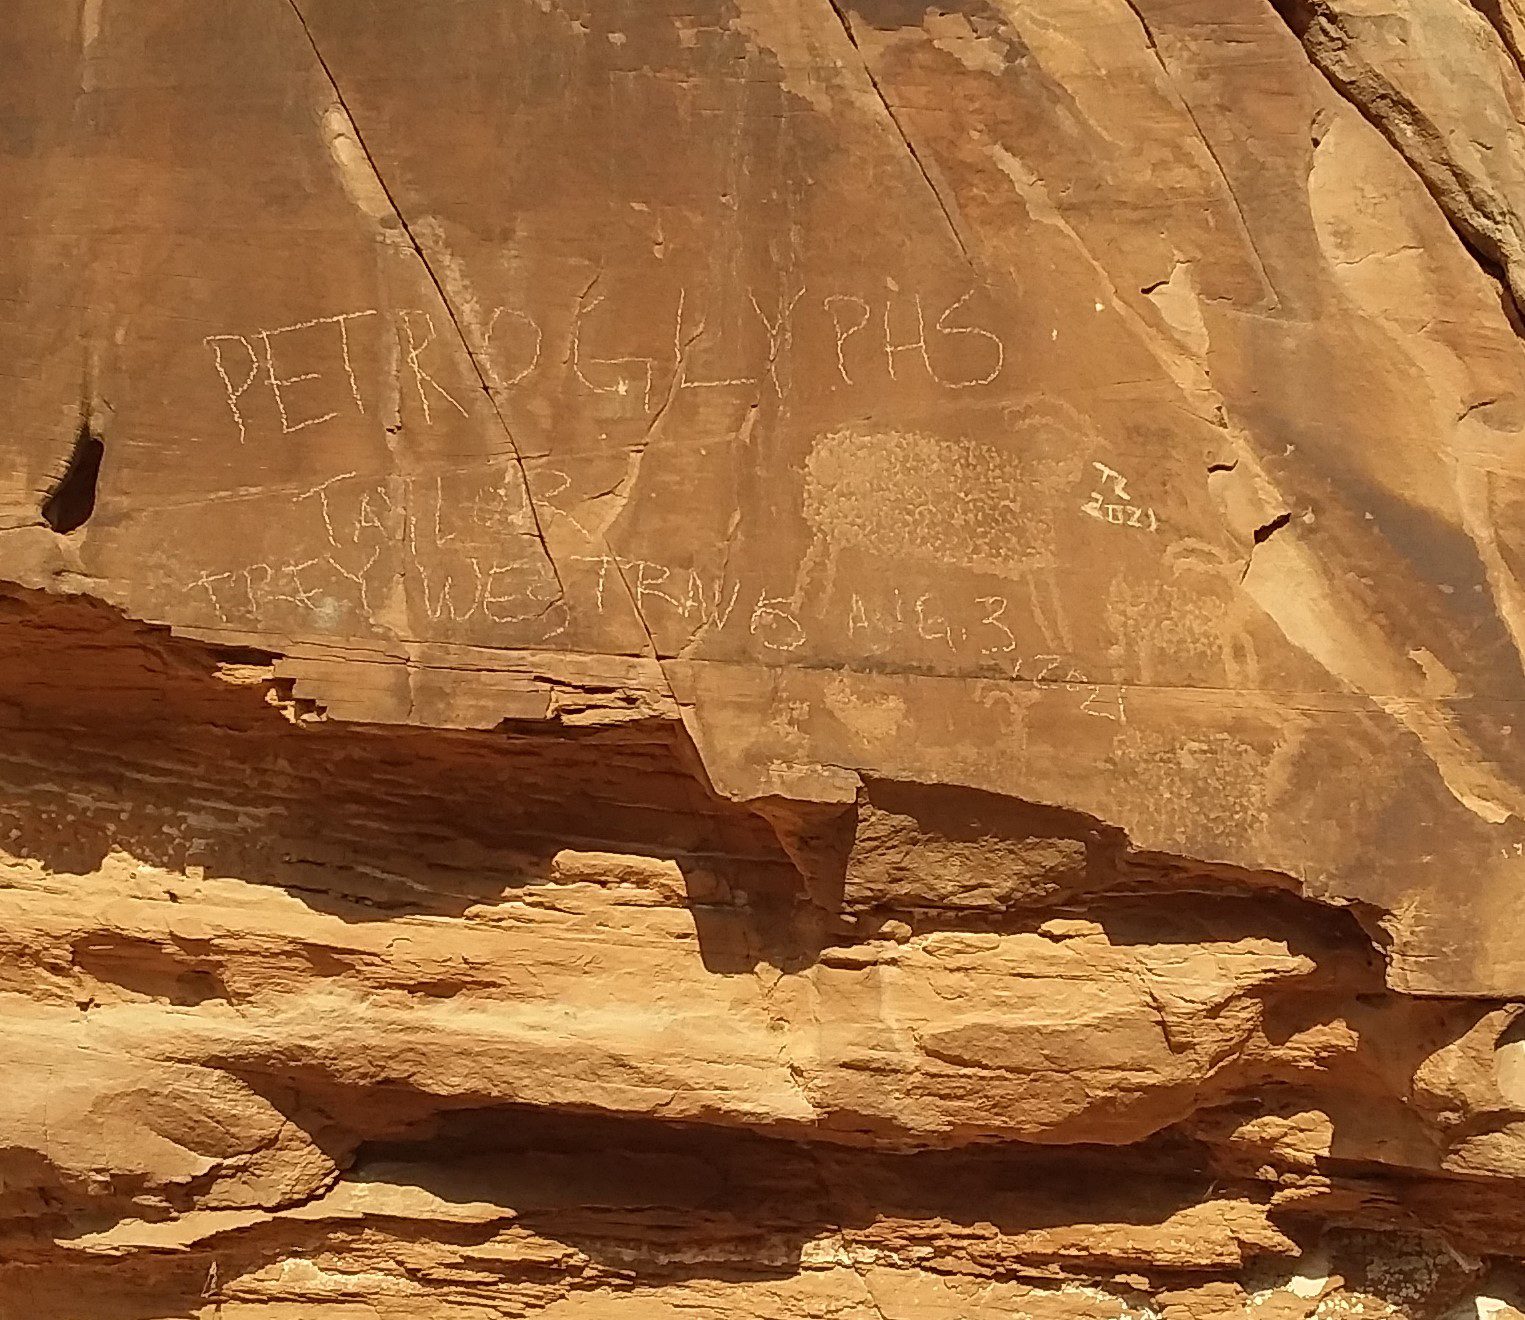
<point>838,659</point>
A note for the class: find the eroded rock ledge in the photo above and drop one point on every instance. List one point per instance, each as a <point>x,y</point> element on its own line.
<point>321,1019</point>
<point>847,660</point>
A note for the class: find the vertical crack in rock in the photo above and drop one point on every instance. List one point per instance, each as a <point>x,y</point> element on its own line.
<point>476,365</point>
<point>439,288</point>
<point>640,614</point>
<point>905,138</point>
<point>869,1295</point>
<point>1273,299</point>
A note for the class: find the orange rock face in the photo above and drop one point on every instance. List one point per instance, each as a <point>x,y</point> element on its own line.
<point>846,660</point>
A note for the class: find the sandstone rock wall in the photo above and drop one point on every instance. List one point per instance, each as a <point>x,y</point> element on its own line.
<point>851,659</point>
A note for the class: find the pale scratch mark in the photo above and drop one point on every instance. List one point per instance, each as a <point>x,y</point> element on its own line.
<point>681,349</point>
<point>213,342</point>
<point>780,331</point>
<point>492,326</point>
<point>420,376</point>
<point>89,36</point>
<point>843,331</point>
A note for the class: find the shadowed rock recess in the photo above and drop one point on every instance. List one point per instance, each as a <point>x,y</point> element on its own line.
<point>804,659</point>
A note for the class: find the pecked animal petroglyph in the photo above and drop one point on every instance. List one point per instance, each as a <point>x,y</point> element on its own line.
<point>905,496</point>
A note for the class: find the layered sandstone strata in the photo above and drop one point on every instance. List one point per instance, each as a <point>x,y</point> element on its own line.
<point>798,660</point>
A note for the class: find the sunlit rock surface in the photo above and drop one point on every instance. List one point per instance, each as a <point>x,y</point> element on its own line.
<point>845,659</point>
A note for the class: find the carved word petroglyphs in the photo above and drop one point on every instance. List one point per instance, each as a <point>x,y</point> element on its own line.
<point>307,373</point>
<point>265,358</point>
<point>1117,506</point>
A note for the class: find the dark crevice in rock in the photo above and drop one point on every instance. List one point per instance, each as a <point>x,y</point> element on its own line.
<point>71,499</point>
<point>1265,531</point>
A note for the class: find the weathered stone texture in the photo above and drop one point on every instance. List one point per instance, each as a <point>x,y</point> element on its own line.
<point>849,659</point>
